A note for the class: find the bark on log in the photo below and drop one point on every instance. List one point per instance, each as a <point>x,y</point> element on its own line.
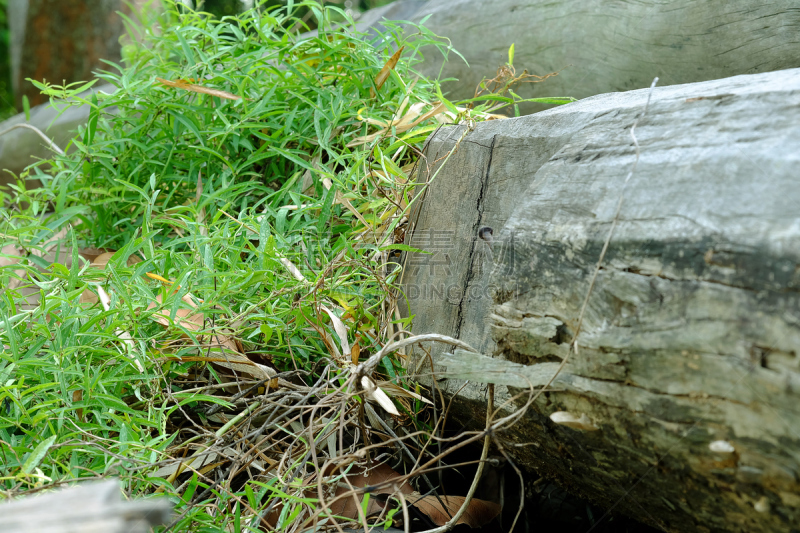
<point>608,45</point>
<point>692,331</point>
<point>88,508</point>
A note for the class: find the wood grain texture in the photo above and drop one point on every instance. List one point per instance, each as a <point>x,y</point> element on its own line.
<point>88,508</point>
<point>693,328</point>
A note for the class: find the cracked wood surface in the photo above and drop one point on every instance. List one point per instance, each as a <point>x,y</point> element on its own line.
<point>692,332</point>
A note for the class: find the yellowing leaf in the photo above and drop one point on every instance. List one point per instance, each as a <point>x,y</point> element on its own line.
<point>159,278</point>
<point>182,84</point>
<point>412,118</point>
<point>77,396</point>
<point>383,75</point>
<point>403,124</point>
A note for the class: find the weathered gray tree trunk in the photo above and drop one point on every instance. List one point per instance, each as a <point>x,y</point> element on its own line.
<point>606,45</point>
<point>88,508</point>
<point>692,331</point>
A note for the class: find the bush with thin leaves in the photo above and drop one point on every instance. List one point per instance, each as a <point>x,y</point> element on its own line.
<point>223,222</point>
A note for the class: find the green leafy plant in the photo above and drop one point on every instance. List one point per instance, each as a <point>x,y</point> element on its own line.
<point>220,244</point>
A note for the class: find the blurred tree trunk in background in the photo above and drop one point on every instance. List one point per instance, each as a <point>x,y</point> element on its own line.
<point>61,41</point>
<point>6,98</point>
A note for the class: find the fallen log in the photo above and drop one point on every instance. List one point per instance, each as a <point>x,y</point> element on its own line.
<point>87,508</point>
<point>601,47</point>
<point>687,357</point>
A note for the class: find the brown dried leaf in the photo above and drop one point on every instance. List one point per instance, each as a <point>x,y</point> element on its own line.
<point>403,124</point>
<point>381,473</point>
<point>223,354</point>
<point>225,351</point>
<point>90,254</point>
<point>201,214</point>
<point>326,337</point>
<point>99,258</point>
<point>355,352</point>
<point>184,317</point>
<point>397,390</point>
<point>383,75</point>
<point>340,199</point>
<point>77,396</point>
<point>53,250</point>
<point>51,244</point>
<point>88,297</point>
<point>478,513</point>
<point>348,507</point>
<point>181,84</point>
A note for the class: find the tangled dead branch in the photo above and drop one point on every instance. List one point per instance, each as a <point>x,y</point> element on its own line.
<point>322,453</point>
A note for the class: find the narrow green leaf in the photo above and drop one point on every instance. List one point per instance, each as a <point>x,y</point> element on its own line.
<point>187,50</point>
<point>266,331</point>
<point>38,454</point>
<point>325,212</point>
<point>26,106</point>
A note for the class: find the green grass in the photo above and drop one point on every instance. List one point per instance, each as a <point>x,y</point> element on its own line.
<point>221,198</point>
